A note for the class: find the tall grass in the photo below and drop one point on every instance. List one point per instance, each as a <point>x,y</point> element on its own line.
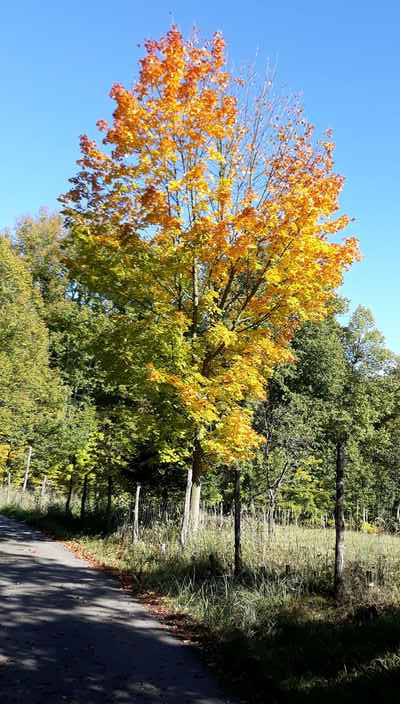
<point>295,560</point>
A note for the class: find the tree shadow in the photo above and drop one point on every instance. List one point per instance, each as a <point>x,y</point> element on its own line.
<point>68,633</point>
<point>304,660</point>
<point>349,661</point>
<point>368,686</point>
<point>60,524</point>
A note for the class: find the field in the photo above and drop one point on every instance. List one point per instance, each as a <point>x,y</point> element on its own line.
<point>277,626</point>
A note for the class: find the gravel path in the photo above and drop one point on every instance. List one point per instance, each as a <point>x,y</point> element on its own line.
<point>70,635</point>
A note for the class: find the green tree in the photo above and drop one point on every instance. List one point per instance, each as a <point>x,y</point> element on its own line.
<point>340,367</point>
<point>31,394</point>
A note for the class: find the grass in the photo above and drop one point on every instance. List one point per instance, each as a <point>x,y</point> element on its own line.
<point>277,627</point>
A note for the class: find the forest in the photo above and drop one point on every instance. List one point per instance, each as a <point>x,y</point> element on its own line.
<point>76,402</point>
<point>184,392</point>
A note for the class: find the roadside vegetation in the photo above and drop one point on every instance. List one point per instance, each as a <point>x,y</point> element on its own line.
<point>277,624</point>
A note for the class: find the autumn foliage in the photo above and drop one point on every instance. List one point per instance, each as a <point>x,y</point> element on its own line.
<point>213,212</point>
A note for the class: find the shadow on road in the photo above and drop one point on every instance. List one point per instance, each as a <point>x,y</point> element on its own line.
<point>69,634</point>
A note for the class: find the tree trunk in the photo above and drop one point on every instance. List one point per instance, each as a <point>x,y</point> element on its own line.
<point>186,508</point>
<point>43,489</point>
<point>96,497</point>
<point>84,496</point>
<point>339,519</point>
<point>8,486</point>
<point>221,515</point>
<point>197,467</point>
<point>195,506</point>
<point>238,528</point>
<point>271,512</point>
<point>28,465</point>
<point>136,519</point>
<point>109,499</point>
<point>69,497</point>
<point>193,521</point>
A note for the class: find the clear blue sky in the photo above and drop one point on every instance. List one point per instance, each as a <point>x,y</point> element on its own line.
<point>59,60</point>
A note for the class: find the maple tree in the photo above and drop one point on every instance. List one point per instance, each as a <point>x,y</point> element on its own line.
<point>208,212</point>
